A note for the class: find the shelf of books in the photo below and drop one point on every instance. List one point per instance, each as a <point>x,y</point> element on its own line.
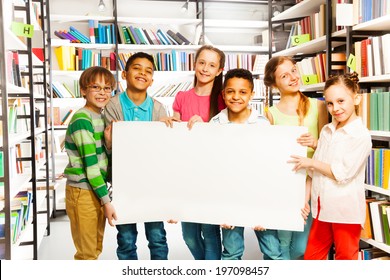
<point>23,127</point>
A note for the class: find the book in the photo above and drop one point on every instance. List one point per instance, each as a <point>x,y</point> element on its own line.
<point>174,36</point>
<point>162,37</point>
<point>366,231</point>
<point>135,35</point>
<point>66,116</point>
<point>184,39</point>
<point>376,219</point>
<point>385,222</point>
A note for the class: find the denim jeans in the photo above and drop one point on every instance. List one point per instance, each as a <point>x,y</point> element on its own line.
<point>233,244</point>
<point>203,240</point>
<point>293,243</point>
<point>155,234</point>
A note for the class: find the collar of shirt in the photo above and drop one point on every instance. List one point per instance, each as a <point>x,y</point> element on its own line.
<point>129,104</point>
<point>353,128</point>
<point>224,118</point>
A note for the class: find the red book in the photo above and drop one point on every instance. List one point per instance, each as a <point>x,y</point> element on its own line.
<point>364,58</point>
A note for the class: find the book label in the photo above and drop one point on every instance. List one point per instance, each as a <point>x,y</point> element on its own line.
<point>351,63</point>
<point>21,29</point>
<point>300,39</point>
<point>309,79</point>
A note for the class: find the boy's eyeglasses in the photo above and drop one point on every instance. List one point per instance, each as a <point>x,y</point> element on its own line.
<point>96,88</point>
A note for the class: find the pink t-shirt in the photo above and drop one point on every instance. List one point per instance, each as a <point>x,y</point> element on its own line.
<point>188,104</point>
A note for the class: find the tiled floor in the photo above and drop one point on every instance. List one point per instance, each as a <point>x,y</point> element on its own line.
<point>59,245</point>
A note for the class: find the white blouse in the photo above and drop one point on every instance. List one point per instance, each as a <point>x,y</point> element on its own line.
<point>346,150</point>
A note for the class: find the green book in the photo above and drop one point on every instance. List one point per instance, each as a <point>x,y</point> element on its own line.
<point>373,111</point>
<point>385,222</point>
<point>132,39</point>
<point>386,111</point>
<point>126,35</point>
<point>380,112</point>
<point>1,164</point>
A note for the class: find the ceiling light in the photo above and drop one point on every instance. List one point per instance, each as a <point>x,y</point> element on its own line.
<point>101,6</point>
<point>184,8</point>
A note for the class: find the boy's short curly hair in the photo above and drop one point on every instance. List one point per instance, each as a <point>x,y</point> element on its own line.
<point>239,73</point>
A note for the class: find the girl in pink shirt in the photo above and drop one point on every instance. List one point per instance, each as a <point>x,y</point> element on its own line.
<point>200,104</point>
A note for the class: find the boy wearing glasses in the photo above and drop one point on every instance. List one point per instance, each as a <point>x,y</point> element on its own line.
<point>135,105</point>
<point>87,198</point>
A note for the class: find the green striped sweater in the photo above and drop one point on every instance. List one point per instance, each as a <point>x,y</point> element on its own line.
<point>88,162</point>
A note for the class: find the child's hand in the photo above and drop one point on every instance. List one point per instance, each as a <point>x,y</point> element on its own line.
<point>193,120</point>
<point>259,228</point>
<point>169,121</point>
<point>225,226</point>
<point>108,136</point>
<point>109,213</point>
<point>300,162</point>
<point>170,221</point>
<point>307,140</point>
<point>305,211</point>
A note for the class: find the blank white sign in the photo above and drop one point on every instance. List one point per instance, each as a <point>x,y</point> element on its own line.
<point>217,174</point>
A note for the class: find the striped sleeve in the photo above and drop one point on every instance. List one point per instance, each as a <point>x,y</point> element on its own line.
<point>87,159</point>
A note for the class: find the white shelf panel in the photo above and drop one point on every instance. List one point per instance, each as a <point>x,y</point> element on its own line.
<point>175,21</point>
<point>313,46</point>
<point>314,87</point>
<point>378,24</point>
<point>302,9</point>
<point>64,43</point>
<point>380,245</point>
<point>375,79</point>
<point>13,42</point>
<point>377,190</point>
<point>72,18</point>
<point>131,47</point>
<point>235,23</point>
<point>380,135</point>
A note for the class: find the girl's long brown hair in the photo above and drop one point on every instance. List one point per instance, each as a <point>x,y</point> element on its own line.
<point>269,81</point>
<point>217,85</point>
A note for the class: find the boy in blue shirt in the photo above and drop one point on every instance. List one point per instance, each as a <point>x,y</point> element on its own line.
<point>237,93</point>
<point>135,105</point>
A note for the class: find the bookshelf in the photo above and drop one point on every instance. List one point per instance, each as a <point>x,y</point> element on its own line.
<point>370,82</point>
<point>203,22</point>
<point>316,56</point>
<point>25,207</point>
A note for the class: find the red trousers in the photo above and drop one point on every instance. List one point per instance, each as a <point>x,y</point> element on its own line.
<point>345,238</point>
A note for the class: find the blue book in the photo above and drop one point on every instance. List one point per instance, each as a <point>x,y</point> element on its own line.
<point>81,35</point>
<point>137,40</point>
<point>163,39</point>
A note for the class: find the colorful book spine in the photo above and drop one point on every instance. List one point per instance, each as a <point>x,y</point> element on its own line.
<point>91,29</point>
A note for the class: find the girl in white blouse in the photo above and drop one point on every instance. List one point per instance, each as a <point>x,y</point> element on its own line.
<point>338,170</point>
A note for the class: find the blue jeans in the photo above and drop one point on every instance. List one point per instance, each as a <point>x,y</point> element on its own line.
<point>233,244</point>
<point>155,234</point>
<point>293,243</point>
<point>203,240</point>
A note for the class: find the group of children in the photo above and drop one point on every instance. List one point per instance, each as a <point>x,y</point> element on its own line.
<point>335,160</point>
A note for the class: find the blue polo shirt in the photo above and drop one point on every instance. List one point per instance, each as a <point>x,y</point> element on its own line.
<point>132,112</point>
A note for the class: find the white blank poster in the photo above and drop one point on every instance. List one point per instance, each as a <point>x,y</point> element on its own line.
<point>216,174</point>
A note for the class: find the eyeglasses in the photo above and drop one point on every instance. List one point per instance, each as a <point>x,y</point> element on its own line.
<point>97,88</point>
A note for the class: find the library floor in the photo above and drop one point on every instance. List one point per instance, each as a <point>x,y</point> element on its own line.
<point>59,246</point>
